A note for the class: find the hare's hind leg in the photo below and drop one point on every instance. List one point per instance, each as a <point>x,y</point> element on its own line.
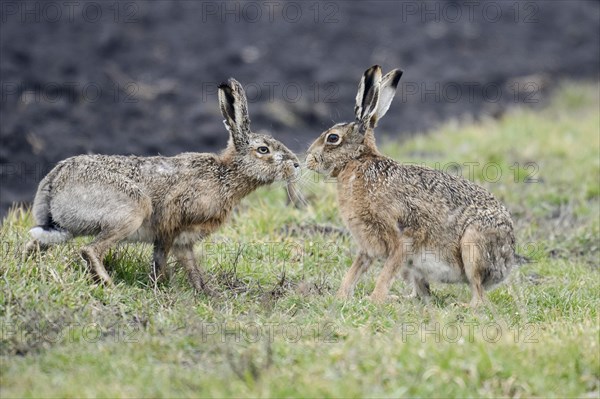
<point>421,288</point>
<point>420,285</point>
<point>160,256</point>
<point>390,269</point>
<point>474,264</point>
<point>94,252</point>
<point>185,257</point>
<point>32,247</point>
<point>359,267</point>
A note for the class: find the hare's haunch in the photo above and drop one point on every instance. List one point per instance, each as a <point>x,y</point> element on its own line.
<point>171,202</point>
<point>426,224</point>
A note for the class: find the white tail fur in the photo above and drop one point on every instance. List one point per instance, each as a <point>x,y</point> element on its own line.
<point>49,237</point>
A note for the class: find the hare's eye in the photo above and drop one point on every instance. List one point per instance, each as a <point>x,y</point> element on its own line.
<point>263,150</point>
<point>333,138</point>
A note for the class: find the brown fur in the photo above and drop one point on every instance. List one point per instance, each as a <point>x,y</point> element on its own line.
<point>171,202</point>
<point>429,224</point>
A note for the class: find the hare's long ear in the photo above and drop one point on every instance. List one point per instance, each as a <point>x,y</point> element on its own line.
<point>234,107</point>
<point>387,91</point>
<point>367,96</point>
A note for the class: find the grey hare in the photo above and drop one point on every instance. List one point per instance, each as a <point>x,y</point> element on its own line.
<point>426,224</point>
<point>171,202</point>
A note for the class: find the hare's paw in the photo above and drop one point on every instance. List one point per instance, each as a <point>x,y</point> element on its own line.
<point>387,299</point>
<point>201,286</point>
<point>412,295</point>
<point>475,303</point>
<point>377,298</point>
<point>95,266</point>
<point>343,294</point>
<point>159,278</point>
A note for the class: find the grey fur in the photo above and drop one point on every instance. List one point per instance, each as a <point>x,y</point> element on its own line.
<point>426,224</point>
<point>171,202</point>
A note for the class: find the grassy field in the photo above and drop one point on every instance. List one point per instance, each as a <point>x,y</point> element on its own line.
<point>276,330</point>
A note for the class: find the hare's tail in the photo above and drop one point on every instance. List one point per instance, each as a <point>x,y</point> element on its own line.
<point>49,235</point>
<point>46,231</point>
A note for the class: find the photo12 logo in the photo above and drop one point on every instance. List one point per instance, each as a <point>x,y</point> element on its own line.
<point>270,11</point>
<point>290,92</point>
<point>251,332</point>
<point>70,92</point>
<point>457,332</point>
<point>69,11</point>
<point>526,92</point>
<point>470,11</point>
<point>46,332</point>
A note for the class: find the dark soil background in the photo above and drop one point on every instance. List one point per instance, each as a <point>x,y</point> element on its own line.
<point>141,77</point>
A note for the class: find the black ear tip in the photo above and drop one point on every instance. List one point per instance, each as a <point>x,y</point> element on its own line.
<point>397,77</point>
<point>224,86</point>
<point>372,69</point>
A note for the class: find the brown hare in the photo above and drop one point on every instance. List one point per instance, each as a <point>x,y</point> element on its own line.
<point>171,202</point>
<point>426,224</point>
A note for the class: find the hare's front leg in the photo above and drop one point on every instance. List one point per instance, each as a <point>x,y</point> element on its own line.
<point>359,267</point>
<point>387,275</point>
<point>420,285</point>
<point>185,257</point>
<point>474,263</point>
<point>421,289</point>
<point>159,270</point>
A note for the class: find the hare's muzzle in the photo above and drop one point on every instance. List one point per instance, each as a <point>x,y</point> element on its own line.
<point>311,162</point>
<point>290,170</point>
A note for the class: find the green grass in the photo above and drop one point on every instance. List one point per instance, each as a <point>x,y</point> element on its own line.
<point>277,331</point>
